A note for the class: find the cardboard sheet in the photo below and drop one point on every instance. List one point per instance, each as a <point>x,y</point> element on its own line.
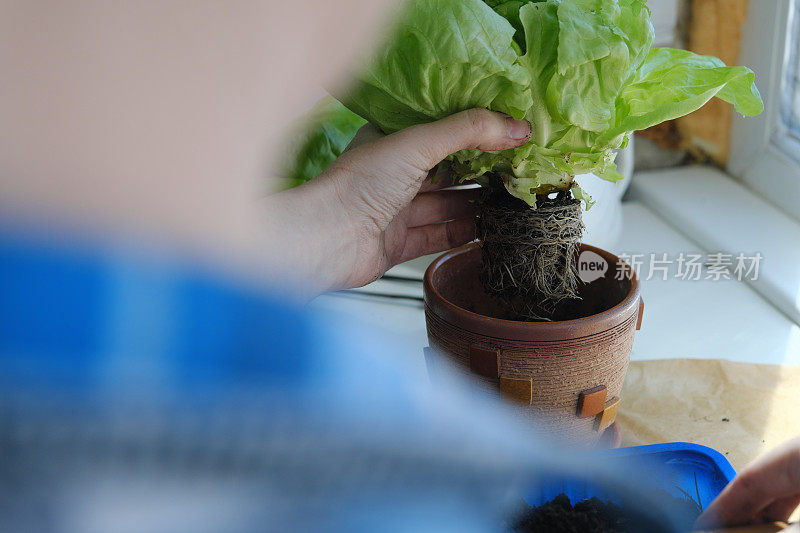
<point>739,409</point>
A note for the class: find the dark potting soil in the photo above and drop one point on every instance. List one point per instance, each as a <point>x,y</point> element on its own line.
<point>597,516</point>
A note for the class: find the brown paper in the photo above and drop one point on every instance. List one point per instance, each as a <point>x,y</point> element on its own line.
<point>739,409</point>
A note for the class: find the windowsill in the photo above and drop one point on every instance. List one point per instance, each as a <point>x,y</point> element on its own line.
<point>721,215</point>
<point>700,319</point>
<point>682,319</point>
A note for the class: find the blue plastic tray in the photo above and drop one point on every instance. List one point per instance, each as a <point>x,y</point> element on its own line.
<point>676,467</point>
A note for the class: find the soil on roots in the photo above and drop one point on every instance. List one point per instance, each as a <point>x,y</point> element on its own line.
<point>530,255</point>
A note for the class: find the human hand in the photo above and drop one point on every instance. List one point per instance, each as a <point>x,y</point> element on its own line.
<point>767,490</point>
<point>375,206</point>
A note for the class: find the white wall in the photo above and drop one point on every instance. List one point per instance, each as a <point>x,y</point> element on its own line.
<point>665,21</point>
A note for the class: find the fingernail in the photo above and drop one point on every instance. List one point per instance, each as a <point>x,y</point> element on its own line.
<point>518,129</point>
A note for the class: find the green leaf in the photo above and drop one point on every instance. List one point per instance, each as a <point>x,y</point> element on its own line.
<point>321,137</point>
<point>600,45</point>
<point>446,56</point>
<point>672,83</point>
<point>581,195</point>
<point>541,34</point>
<point>509,10</point>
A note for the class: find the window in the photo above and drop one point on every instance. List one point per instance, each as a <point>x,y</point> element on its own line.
<point>765,151</point>
<point>790,98</point>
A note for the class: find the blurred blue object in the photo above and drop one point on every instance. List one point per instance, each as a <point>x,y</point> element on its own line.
<point>683,471</point>
<point>146,395</point>
<point>86,322</point>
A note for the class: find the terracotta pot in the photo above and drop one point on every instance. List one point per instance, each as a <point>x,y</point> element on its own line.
<point>567,375</point>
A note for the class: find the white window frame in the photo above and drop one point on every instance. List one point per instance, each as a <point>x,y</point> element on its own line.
<point>758,153</point>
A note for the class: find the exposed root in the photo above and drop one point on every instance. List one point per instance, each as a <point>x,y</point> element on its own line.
<point>530,255</point>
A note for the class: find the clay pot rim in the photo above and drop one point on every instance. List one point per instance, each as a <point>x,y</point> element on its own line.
<point>521,330</point>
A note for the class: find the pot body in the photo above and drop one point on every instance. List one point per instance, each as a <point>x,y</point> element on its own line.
<point>566,376</point>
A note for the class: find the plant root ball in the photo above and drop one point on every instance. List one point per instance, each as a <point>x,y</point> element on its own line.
<point>530,255</point>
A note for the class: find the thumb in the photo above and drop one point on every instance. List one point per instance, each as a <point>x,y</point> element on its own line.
<point>387,173</point>
<point>365,134</point>
<point>425,145</point>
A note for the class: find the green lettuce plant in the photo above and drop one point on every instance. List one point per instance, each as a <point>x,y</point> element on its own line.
<point>583,72</point>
